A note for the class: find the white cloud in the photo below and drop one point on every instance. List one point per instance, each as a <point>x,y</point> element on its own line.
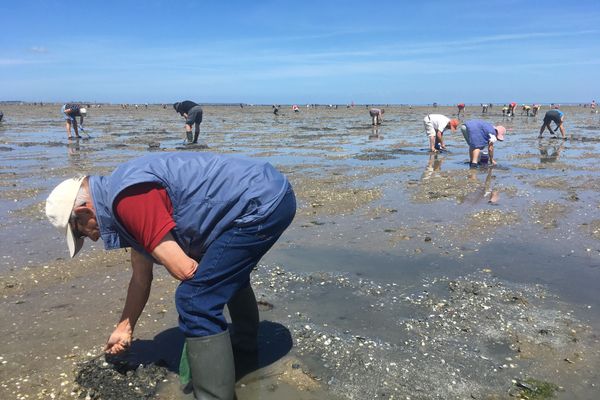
<point>13,61</point>
<point>38,49</point>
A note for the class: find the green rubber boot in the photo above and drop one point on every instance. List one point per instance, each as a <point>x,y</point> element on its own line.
<point>212,368</point>
<point>190,137</point>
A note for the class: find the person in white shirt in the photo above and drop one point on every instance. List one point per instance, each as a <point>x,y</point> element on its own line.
<point>435,125</point>
<point>376,115</point>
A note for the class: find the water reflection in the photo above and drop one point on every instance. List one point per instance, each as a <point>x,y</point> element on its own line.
<point>433,165</point>
<point>485,190</point>
<point>375,135</point>
<point>549,153</point>
<point>74,152</point>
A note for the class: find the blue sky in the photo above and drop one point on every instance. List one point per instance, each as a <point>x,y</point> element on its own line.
<point>300,51</point>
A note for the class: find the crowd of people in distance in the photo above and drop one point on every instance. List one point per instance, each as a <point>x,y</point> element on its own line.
<point>479,134</point>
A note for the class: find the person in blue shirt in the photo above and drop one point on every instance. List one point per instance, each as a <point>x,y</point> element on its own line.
<point>556,116</point>
<point>215,217</point>
<point>480,134</point>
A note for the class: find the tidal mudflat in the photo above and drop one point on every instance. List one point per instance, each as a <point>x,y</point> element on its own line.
<point>404,274</point>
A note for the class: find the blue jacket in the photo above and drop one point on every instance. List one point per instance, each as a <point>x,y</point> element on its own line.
<point>479,132</point>
<point>209,193</point>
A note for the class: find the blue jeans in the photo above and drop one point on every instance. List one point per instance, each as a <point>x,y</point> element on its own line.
<point>225,268</point>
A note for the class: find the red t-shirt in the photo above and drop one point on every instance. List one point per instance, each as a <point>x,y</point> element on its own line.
<point>146,212</point>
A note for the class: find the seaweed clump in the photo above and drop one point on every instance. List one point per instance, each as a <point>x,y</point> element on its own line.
<point>98,379</point>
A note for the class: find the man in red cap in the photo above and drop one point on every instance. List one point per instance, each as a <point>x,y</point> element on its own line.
<point>435,125</point>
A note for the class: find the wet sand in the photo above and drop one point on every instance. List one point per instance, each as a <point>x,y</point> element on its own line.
<point>398,278</point>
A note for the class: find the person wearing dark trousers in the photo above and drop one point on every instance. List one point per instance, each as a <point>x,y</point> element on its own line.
<point>556,116</point>
<point>192,113</point>
<point>208,219</point>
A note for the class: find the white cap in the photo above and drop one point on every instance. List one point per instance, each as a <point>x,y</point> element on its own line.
<point>83,111</point>
<point>59,206</point>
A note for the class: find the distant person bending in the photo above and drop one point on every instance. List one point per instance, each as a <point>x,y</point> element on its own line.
<point>478,135</point>
<point>484,108</point>
<point>534,109</point>
<point>70,112</point>
<point>435,125</point>
<point>525,109</point>
<point>556,116</point>
<point>461,109</point>
<point>192,113</point>
<point>511,109</point>
<point>376,115</point>
<point>1,116</point>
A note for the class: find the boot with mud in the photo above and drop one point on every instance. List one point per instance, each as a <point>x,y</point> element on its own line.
<point>243,311</point>
<point>196,134</point>
<point>211,367</point>
<point>189,136</point>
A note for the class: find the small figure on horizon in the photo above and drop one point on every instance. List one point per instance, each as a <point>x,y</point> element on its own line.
<point>534,109</point>
<point>435,125</point>
<point>295,108</point>
<point>504,110</point>
<point>461,109</point>
<point>479,134</point>
<point>484,108</point>
<point>525,109</point>
<point>376,115</point>
<point>70,112</point>
<point>192,113</point>
<point>556,116</point>
<point>275,110</point>
<point>1,116</point>
<point>511,109</point>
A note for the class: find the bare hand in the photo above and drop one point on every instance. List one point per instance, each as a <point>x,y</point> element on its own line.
<point>118,342</point>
